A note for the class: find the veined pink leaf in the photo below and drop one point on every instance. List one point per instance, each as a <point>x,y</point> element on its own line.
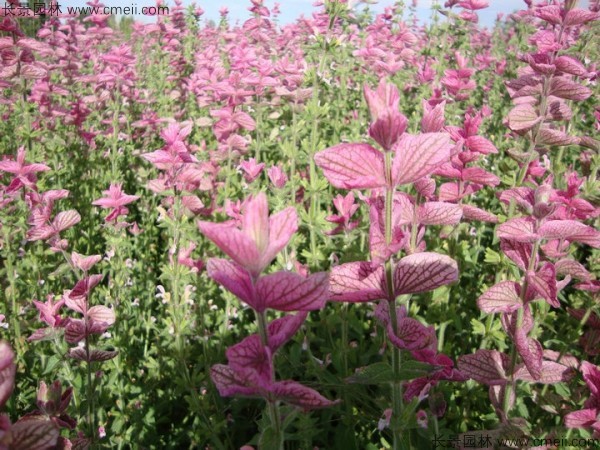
<point>418,156</point>
<point>548,136</point>
<point>82,289</point>
<point>233,242</point>
<point>299,395</point>
<point>591,375</point>
<point>570,230</point>
<point>255,221</point>
<point>520,229</point>
<point>523,117</point>
<point>287,291</point>
<point>34,433</point>
<point>75,331</point>
<point>7,372</point>
<point>282,226</point>
<point>592,321</point>
<point>551,372</point>
<point>485,366</point>
<point>352,166</point>
<point>233,278</point>
<point>569,64</point>
<point>229,382</point>
<point>583,418</point>
<point>422,272</point>
<point>480,176</point>
<point>531,352</point>
<point>96,355</point>
<point>509,322</point>
<point>474,213</point>
<point>579,16</point>
<point>569,90</point>
<point>439,213</point>
<point>65,219</point>
<point>502,297</point>
<point>84,263</point>
<point>544,284</point>
<point>517,252</point>
<point>523,196</point>
<point>412,335</point>
<point>249,354</point>
<point>481,145</point>
<point>433,118</point>
<point>357,282</point>
<point>102,314</point>
<point>281,330</point>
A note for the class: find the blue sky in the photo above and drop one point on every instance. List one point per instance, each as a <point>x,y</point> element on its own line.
<point>292,9</point>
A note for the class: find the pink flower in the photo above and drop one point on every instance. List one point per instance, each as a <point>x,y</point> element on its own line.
<point>346,209</point>
<point>277,176</point>
<point>589,417</point>
<point>23,174</point>
<point>260,238</point>
<point>115,199</point>
<point>388,123</point>
<point>252,169</point>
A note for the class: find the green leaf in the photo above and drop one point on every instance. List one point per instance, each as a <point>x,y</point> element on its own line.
<point>492,257</point>
<point>270,439</point>
<point>382,373</point>
<point>378,373</point>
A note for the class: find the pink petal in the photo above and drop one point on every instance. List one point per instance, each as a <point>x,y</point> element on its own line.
<point>352,166</point>
<point>287,291</point>
<point>418,156</point>
<point>299,395</point>
<point>233,278</point>
<point>422,272</point>
<point>502,297</point>
<point>357,282</point>
<point>485,366</point>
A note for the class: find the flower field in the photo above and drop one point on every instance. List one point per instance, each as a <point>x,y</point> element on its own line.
<point>354,231</point>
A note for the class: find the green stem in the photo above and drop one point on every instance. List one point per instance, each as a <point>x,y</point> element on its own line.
<point>272,404</point>
<point>512,385</point>
<point>397,405</point>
